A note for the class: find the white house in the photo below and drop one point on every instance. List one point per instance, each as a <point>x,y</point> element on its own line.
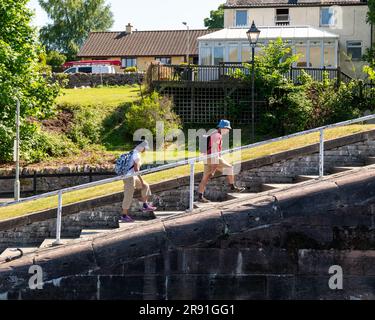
<point>326,33</point>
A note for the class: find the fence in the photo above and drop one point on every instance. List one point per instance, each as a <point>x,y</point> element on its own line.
<point>191,162</point>
<point>230,71</point>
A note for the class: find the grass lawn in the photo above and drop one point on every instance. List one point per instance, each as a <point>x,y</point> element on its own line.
<point>48,203</point>
<point>106,96</point>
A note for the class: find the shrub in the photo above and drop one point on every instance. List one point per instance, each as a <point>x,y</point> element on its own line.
<point>130,69</point>
<point>86,128</point>
<point>46,144</point>
<point>145,114</point>
<point>289,111</point>
<point>55,60</point>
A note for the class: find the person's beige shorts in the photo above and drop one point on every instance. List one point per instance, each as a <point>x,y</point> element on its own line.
<point>130,185</point>
<point>217,164</point>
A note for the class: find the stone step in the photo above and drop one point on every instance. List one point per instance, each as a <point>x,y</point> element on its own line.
<point>126,225</point>
<point>10,253</point>
<point>88,233</point>
<point>165,214</point>
<point>49,243</point>
<point>243,195</point>
<point>303,178</point>
<point>343,169</point>
<point>200,205</point>
<point>370,160</point>
<point>274,186</point>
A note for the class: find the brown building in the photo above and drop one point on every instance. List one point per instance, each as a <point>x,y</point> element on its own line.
<point>140,48</point>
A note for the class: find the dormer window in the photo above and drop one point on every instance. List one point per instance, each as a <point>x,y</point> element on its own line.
<point>241,18</point>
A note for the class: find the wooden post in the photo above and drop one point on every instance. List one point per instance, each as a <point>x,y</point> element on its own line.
<point>360,87</point>
<point>338,77</point>
<point>34,183</point>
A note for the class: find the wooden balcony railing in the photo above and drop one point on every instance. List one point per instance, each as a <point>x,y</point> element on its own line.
<point>230,72</point>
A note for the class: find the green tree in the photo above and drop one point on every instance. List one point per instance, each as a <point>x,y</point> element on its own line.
<point>369,55</point>
<point>371,11</point>
<point>72,21</point>
<point>55,60</point>
<point>216,19</point>
<point>21,77</point>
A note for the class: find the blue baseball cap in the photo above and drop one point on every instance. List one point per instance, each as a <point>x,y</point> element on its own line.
<point>224,124</point>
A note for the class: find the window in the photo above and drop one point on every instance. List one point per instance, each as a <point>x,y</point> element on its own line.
<point>241,18</point>
<point>218,55</point>
<point>315,54</point>
<point>71,70</point>
<point>354,49</point>
<point>329,54</point>
<point>301,51</point>
<point>233,54</point>
<point>282,17</point>
<point>327,16</point>
<point>129,62</point>
<point>245,53</point>
<point>206,56</point>
<point>85,69</point>
<point>164,60</point>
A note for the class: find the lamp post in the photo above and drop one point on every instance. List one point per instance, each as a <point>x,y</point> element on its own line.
<point>253,36</point>
<point>17,153</point>
<point>188,43</point>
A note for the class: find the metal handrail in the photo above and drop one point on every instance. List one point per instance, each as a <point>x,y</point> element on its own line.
<point>190,161</point>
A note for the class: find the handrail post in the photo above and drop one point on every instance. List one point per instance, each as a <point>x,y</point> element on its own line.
<point>58,220</point>
<point>321,154</point>
<point>191,192</point>
<point>17,185</point>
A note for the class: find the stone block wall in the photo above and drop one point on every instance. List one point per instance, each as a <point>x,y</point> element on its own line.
<point>35,233</point>
<point>258,248</point>
<point>177,198</point>
<point>78,80</point>
<point>60,178</point>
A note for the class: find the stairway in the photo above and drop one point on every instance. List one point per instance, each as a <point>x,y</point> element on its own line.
<point>13,253</point>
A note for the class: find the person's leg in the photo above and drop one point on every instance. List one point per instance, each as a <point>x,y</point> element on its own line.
<point>145,194</point>
<point>128,198</point>
<point>209,171</point>
<point>227,169</point>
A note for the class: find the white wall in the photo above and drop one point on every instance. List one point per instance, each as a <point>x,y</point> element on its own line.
<point>351,26</point>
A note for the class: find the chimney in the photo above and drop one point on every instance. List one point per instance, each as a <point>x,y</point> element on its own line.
<point>129,28</point>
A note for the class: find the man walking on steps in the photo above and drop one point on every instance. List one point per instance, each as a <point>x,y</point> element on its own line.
<point>133,183</point>
<point>217,163</point>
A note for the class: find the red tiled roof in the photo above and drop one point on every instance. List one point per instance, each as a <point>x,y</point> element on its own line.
<point>141,43</point>
<point>287,3</point>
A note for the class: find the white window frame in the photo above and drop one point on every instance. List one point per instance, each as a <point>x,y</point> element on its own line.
<point>285,22</point>
<point>247,18</point>
<point>124,62</point>
<point>321,17</point>
<point>162,60</point>
<point>354,46</point>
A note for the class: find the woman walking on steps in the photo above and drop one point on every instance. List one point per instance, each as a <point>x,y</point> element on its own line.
<point>136,182</point>
<point>217,163</point>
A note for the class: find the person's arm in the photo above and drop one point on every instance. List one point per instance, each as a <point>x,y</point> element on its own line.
<point>137,168</point>
<point>215,147</point>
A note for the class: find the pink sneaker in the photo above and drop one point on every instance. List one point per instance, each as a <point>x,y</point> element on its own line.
<point>126,219</point>
<point>148,208</point>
